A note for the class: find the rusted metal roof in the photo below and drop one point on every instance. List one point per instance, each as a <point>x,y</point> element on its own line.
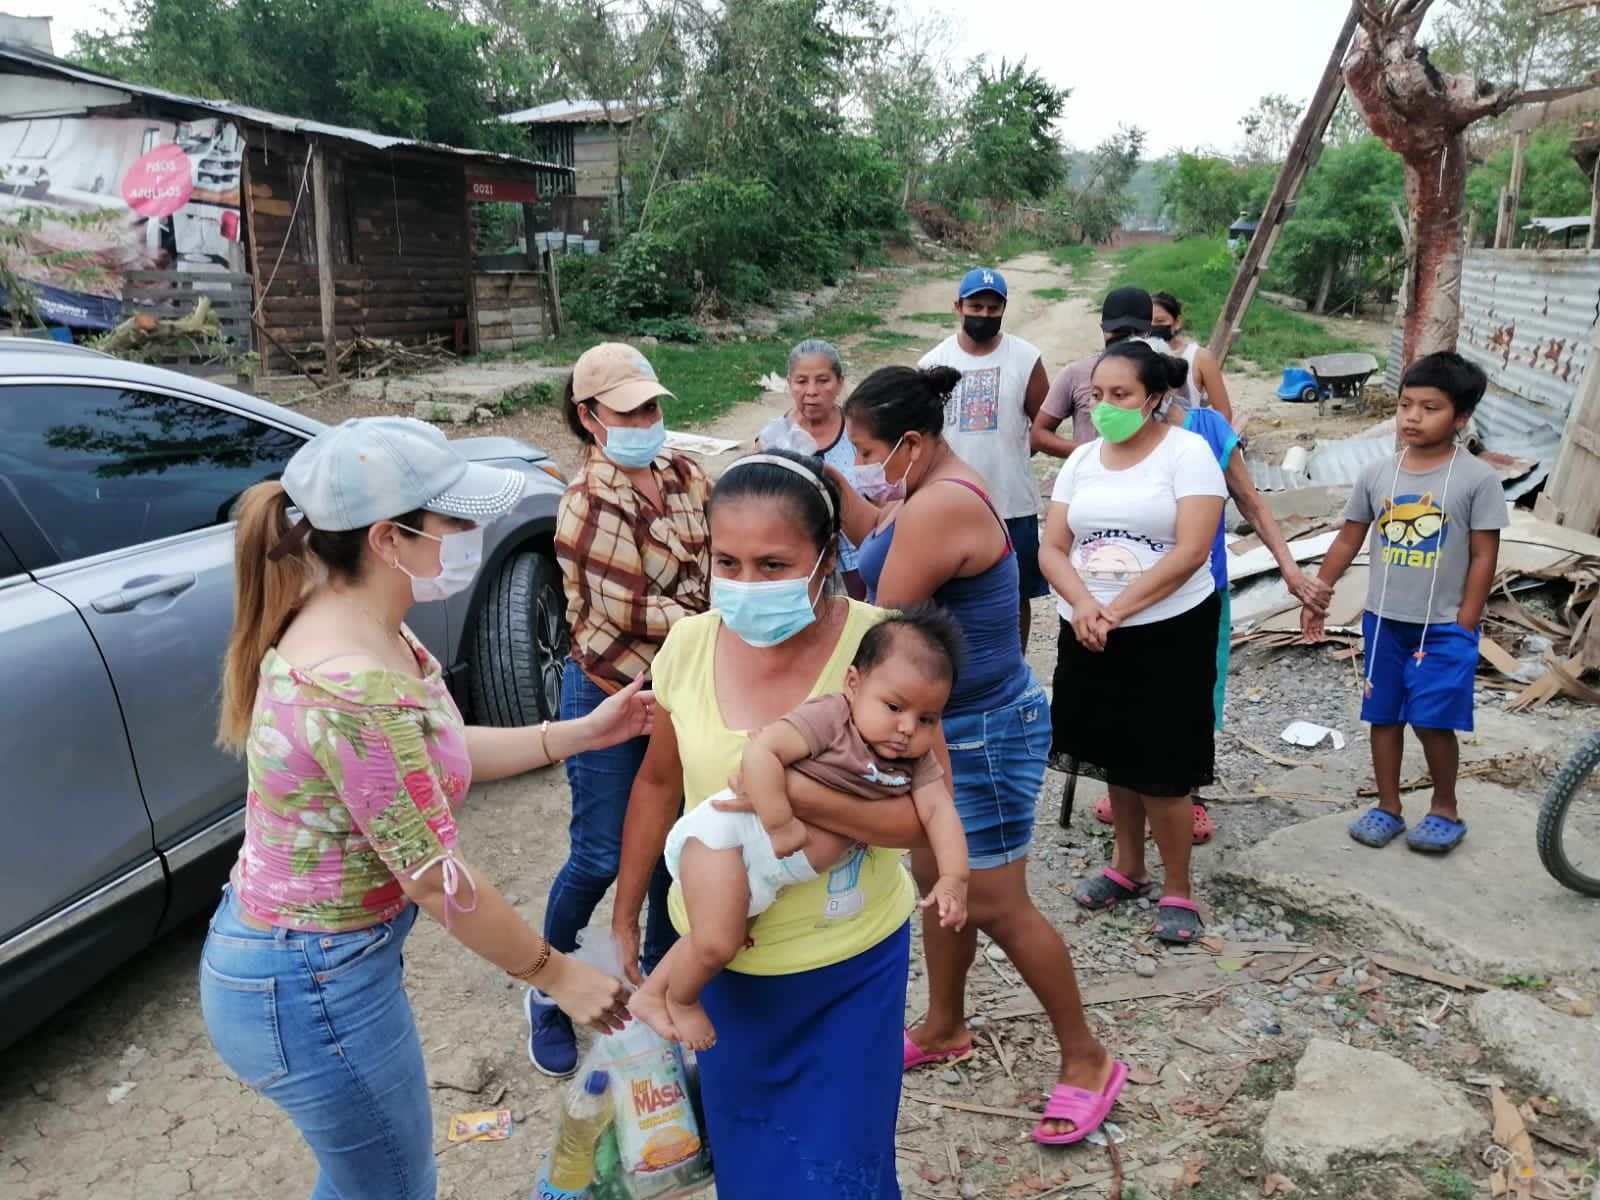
<point>36,62</point>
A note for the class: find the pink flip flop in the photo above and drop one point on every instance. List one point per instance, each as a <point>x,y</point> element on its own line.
<point>1086,1110</point>
<point>916,1056</point>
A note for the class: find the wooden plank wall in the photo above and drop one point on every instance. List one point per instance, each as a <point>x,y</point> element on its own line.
<point>169,295</point>
<point>399,245</point>
<point>508,310</point>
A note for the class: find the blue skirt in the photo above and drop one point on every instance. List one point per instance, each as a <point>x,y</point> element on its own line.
<point>802,1090</point>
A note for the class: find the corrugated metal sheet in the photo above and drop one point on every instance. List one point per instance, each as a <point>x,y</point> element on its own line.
<point>1521,430</point>
<point>1527,318</point>
<point>1395,367</point>
<point>1344,460</point>
<point>60,68</point>
<point>579,112</point>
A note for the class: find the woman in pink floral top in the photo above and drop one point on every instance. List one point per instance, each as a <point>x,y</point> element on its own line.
<point>357,756</point>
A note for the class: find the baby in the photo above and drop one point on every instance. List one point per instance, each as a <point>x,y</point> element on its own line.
<point>874,741</point>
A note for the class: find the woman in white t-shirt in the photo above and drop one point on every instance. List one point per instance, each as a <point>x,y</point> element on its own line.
<point>1126,546</point>
<point>1204,387</point>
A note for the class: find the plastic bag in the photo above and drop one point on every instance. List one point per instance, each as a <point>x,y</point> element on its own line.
<point>661,1150</point>
<point>779,434</point>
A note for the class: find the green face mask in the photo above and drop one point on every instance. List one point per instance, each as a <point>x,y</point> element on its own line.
<point>1116,424</point>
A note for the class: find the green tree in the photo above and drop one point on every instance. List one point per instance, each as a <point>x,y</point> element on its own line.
<point>403,67</point>
<point>1269,128</point>
<point>1343,237</point>
<point>1099,198</point>
<point>908,98</point>
<point>1203,194</point>
<point>1008,150</point>
<point>1518,43</point>
<point>1553,185</point>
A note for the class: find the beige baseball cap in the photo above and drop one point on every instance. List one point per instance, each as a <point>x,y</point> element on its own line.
<point>616,375</point>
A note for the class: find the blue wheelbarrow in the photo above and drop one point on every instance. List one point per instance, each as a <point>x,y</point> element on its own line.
<point>1300,386</point>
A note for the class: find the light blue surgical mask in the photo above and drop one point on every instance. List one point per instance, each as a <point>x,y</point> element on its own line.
<point>764,614</point>
<point>631,447</point>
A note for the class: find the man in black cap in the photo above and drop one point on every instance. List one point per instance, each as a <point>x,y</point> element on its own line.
<point>1126,313</point>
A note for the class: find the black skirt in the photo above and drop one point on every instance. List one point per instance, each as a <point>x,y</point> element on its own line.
<point>1139,713</point>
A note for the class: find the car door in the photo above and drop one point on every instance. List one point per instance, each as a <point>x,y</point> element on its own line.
<point>132,489</point>
<point>77,862</point>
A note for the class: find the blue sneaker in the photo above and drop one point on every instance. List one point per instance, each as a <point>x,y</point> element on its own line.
<point>552,1046</point>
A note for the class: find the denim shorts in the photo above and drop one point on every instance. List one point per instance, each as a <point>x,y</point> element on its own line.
<point>1024,533</point>
<point>998,758</point>
<point>319,1024</point>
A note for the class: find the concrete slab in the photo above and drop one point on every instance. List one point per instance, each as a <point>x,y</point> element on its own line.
<point>1489,904</point>
<point>1561,1052</point>
<point>1355,1104</point>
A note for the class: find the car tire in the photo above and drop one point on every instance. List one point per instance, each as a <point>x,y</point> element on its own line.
<point>1309,395</point>
<point>519,648</point>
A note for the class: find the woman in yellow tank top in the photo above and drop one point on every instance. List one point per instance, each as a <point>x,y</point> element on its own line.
<point>802,1088</point>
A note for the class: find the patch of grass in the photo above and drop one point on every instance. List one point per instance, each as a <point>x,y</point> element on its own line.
<point>1449,1184</point>
<point>833,324</point>
<point>1521,982</point>
<point>1269,1078</point>
<point>928,318</point>
<point>1015,243</point>
<point>1055,293</point>
<point>529,395</point>
<point>889,339</point>
<point>1079,257</point>
<point>1199,271</point>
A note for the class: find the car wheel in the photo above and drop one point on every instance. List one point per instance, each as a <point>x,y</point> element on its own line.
<point>520,647</point>
<point>1310,395</point>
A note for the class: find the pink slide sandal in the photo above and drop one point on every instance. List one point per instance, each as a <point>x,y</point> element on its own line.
<point>916,1056</point>
<point>1086,1110</point>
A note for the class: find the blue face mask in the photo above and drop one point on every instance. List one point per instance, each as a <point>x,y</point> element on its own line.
<point>632,447</point>
<point>764,614</point>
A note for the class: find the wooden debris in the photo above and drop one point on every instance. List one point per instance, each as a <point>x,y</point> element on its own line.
<point>986,1110</point>
<point>1488,766</point>
<point>1405,966</point>
<point>1265,753</point>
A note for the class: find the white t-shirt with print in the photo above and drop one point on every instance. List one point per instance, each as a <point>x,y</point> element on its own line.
<point>985,421</point>
<point>1124,522</point>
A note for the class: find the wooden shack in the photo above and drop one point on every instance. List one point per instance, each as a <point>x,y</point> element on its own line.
<point>342,233</point>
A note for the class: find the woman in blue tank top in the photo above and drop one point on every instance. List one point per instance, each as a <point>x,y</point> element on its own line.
<point>937,537</point>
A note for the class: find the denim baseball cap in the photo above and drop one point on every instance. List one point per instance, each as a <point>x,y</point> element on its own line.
<point>981,279</point>
<point>378,468</point>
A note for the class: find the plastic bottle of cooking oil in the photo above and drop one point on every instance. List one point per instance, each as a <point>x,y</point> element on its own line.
<point>570,1169</point>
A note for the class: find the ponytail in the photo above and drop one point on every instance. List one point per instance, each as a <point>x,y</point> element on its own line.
<point>266,594</point>
<point>1157,371</point>
<point>894,401</point>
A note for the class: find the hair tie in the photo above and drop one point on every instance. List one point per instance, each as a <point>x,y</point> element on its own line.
<point>787,464</point>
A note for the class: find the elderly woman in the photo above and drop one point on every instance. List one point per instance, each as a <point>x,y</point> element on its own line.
<point>816,426</point>
<point>632,542</point>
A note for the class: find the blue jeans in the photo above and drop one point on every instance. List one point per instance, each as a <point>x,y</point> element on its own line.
<point>997,758</point>
<point>600,781</point>
<point>318,1023</point>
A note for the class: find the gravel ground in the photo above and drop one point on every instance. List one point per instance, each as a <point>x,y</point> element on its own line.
<point>122,1096</point>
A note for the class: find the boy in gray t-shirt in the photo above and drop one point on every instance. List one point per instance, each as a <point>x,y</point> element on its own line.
<point>1435,514</point>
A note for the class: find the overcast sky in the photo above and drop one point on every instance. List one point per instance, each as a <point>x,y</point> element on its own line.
<point>1185,71</point>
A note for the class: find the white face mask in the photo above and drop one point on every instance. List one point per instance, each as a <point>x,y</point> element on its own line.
<point>460,556</point>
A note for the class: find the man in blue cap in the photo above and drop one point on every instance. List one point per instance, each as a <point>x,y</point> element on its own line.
<point>1003,383</point>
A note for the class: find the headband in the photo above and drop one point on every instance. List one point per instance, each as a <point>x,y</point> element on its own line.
<point>787,464</point>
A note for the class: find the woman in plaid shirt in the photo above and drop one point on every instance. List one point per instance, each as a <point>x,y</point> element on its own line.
<point>633,545</point>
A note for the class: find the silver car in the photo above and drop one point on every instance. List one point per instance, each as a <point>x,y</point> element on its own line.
<point>118,814</point>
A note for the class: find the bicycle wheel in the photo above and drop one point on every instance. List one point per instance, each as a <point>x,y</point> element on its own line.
<point>1569,822</point>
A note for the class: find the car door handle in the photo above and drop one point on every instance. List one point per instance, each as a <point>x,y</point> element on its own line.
<point>125,598</point>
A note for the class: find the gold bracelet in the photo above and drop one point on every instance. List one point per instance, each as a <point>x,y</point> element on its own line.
<point>528,973</point>
<point>544,743</point>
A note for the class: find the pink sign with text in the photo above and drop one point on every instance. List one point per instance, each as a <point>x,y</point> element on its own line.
<point>159,182</point>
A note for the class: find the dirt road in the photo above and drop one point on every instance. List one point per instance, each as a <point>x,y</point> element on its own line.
<point>121,1096</point>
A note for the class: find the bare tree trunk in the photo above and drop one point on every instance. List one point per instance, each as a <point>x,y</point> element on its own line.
<point>1321,306</point>
<point>1436,191</point>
